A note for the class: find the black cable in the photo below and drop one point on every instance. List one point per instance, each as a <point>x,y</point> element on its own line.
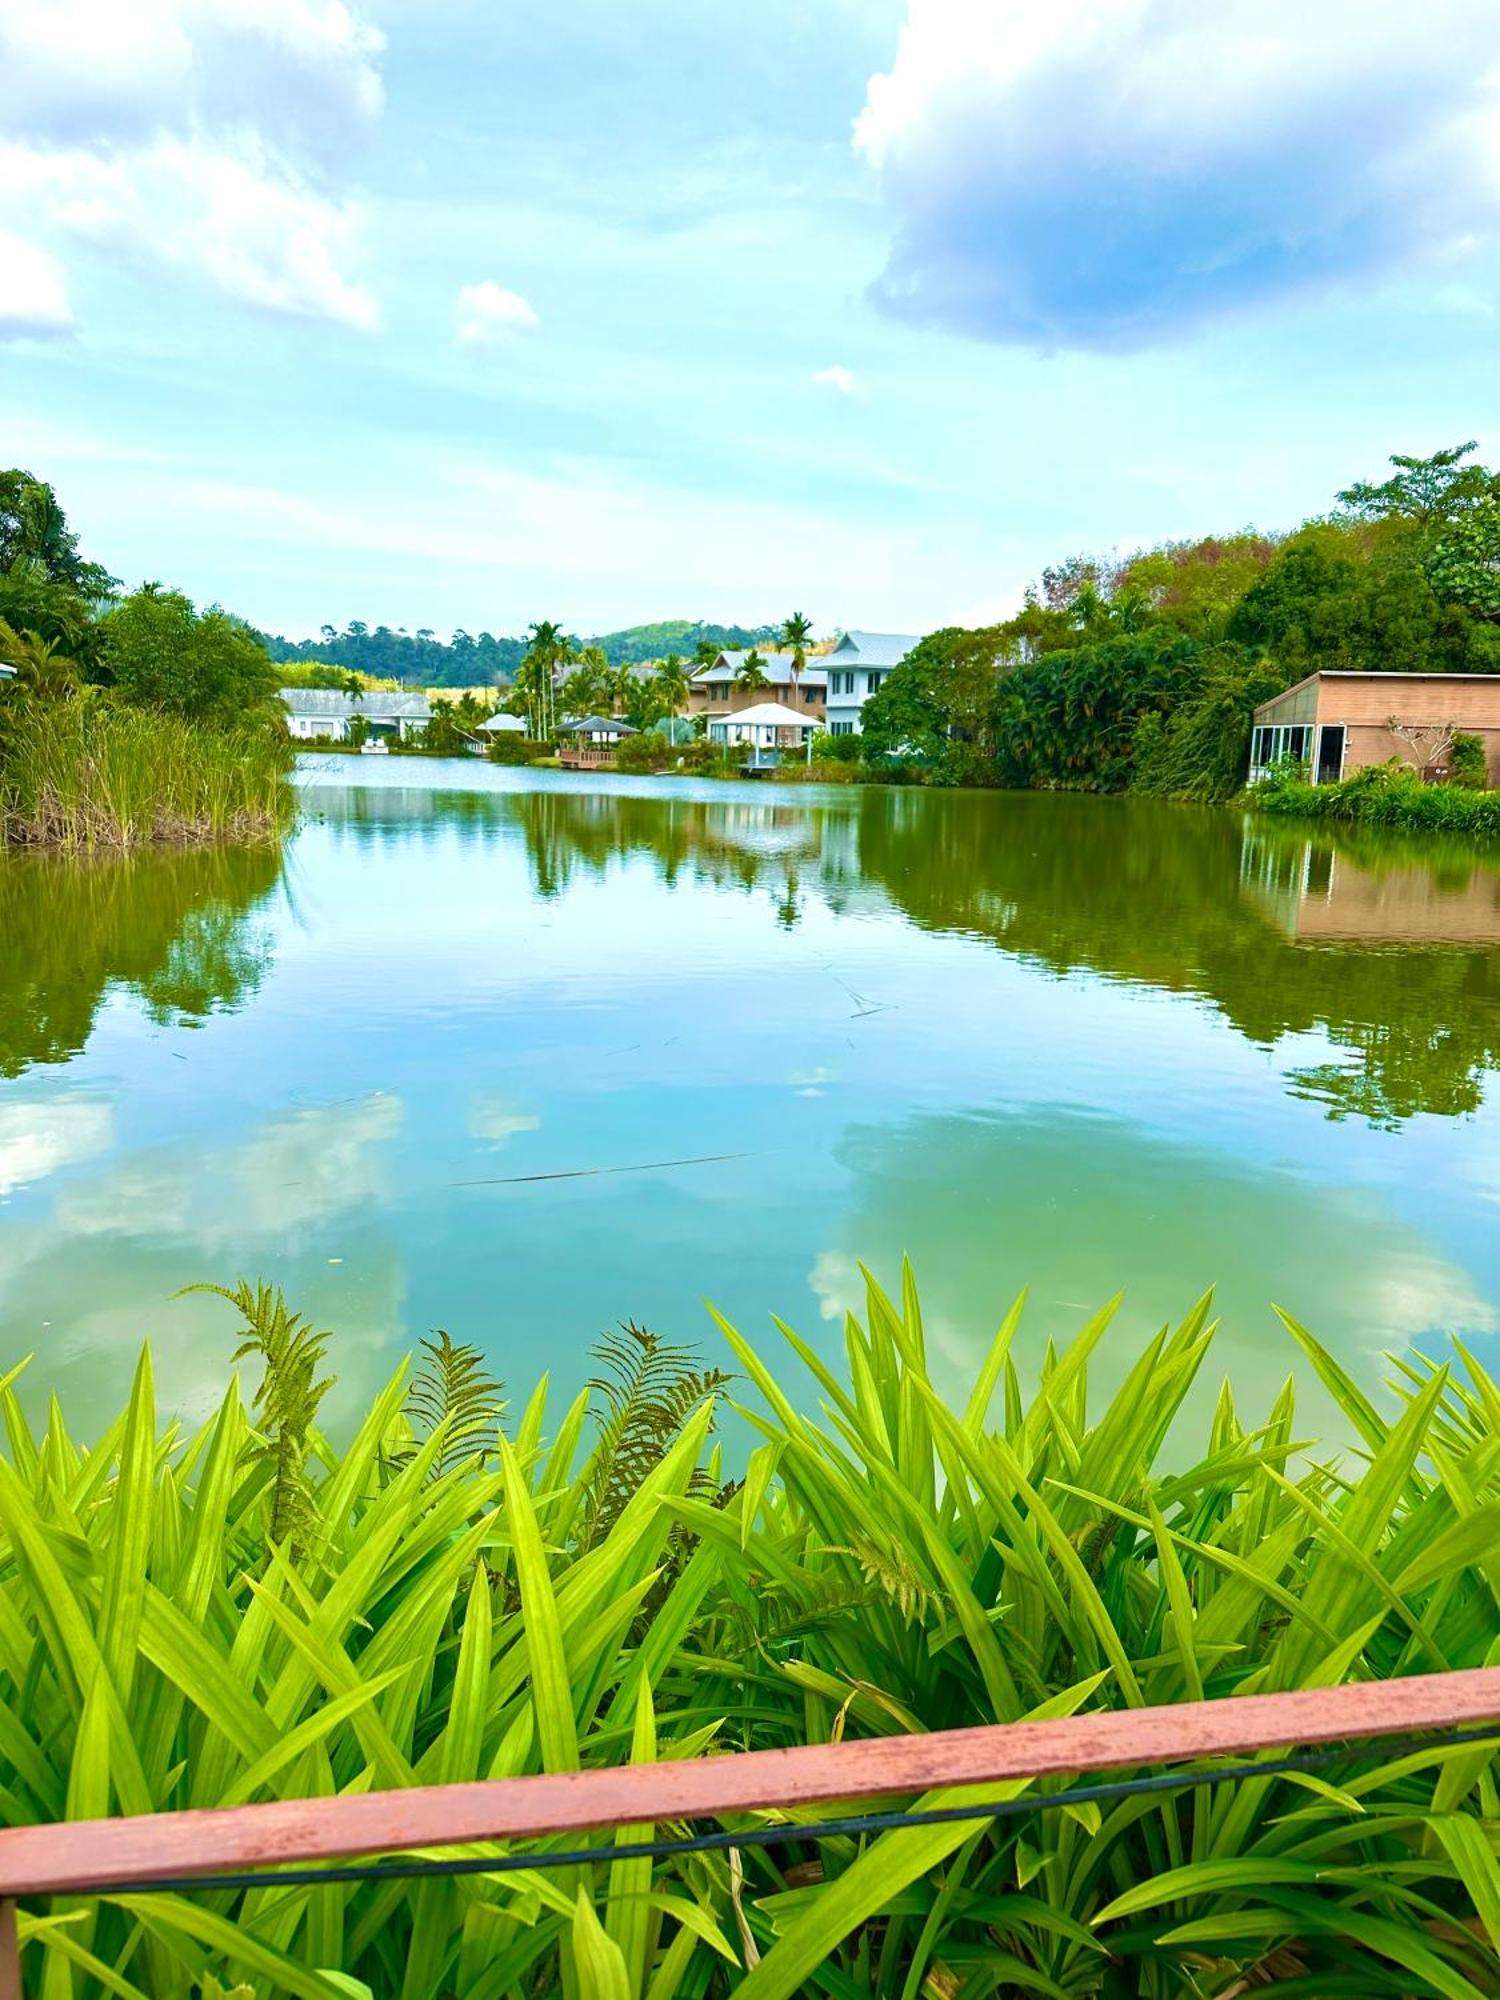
<point>768,1836</point>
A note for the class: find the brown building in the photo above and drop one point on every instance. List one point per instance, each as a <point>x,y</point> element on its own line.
<point>1337,723</point>
<point>716,692</point>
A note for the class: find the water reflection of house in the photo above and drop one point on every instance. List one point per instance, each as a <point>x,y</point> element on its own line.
<point>1318,895</point>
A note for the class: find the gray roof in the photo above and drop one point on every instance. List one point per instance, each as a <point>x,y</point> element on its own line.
<point>377,706</point>
<point>600,725</point>
<point>875,649</point>
<point>778,667</point>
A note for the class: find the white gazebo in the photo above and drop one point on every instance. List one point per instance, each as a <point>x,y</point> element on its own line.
<point>765,730</point>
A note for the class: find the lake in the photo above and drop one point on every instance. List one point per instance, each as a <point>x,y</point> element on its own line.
<point>522,1055</point>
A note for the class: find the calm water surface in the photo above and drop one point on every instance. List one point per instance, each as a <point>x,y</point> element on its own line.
<point>425,1069</point>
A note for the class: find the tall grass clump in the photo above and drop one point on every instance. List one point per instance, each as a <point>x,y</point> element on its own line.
<point>92,773</point>
<point>471,1588</point>
<point>1383,795</point>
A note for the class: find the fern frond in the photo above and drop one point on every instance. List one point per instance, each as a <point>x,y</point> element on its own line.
<point>452,1388</point>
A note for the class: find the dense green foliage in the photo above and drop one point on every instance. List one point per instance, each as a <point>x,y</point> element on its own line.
<point>1386,795</point>
<point>458,1593</point>
<point>127,720</point>
<point>161,654</point>
<point>88,773</point>
<point>1143,674</point>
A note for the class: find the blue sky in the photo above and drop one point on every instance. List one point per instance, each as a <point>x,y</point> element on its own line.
<point>469,314</point>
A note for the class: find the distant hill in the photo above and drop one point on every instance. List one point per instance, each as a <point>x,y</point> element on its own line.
<point>676,635</point>
<point>466,661</point>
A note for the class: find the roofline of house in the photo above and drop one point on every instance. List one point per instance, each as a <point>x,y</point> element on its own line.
<point>1363,674</point>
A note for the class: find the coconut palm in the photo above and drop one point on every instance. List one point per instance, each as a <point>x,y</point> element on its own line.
<point>796,636</point>
<point>751,674</point>
<point>42,667</point>
<point>672,682</point>
<point>537,678</point>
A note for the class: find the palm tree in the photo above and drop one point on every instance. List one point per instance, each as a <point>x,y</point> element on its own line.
<point>42,668</point>
<point>537,679</point>
<point>751,672</point>
<point>673,681</point>
<point>796,635</point>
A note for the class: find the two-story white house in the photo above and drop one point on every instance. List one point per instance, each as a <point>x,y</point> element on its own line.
<point>856,667</point>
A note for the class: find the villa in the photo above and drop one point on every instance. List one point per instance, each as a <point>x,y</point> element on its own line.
<point>858,665</point>
<point>1337,723</point>
<point>715,690</point>
<point>314,714</point>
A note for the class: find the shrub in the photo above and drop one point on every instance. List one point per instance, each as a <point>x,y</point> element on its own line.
<point>1385,795</point>
<point>646,752</point>
<point>1468,767</point>
<point>456,1594</point>
<point>511,748</point>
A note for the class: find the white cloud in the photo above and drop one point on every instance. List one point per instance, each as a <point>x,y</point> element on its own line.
<point>1100,172</point>
<point>844,380</point>
<point>207,133</point>
<point>33,291</point>
<point>36,1138</point>
<point>487,312</point>
<point>495,1118</point>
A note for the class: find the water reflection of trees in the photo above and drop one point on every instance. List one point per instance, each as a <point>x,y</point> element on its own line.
<point>1174,899</point>
<point>174,929</point>
<point>1388,948</point>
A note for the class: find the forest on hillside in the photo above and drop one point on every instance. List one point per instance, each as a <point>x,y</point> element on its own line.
<point>467,660</point>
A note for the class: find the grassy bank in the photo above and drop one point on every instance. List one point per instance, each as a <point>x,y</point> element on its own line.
<point>1383,795</point>
<point>246,1612</point>
<point>92,773</point>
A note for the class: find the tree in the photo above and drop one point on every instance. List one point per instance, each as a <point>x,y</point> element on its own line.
<point>548,651</point>
<point>42,668</point>
<point>1463,566</point>
<point>160,653</point>
<point>673,681</point>
<point>1427,491</point>
<point>705,652</point>
<point>796,636</point>
<point>751,674</point>
<point>1069,720</point>
<point>938,704</point>
<point>34,529</point>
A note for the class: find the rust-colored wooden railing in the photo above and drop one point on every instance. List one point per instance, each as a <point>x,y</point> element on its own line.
<point>84,1856</point>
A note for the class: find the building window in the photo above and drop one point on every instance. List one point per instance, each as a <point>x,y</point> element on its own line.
<point>872,682</point>
<point>809,695</point>
<point>841,728</point>
<point>1270,743</point>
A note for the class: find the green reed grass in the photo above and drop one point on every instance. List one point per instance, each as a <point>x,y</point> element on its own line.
<point>91,774</point>
<point>900,1562</point>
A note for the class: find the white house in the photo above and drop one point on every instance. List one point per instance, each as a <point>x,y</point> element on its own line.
<point>764,731</point>
<point>320,712</point>
<point>856,667</point>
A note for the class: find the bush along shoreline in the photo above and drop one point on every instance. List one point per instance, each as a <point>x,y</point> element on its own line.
<point>1392,796</point>
<point>475,1588</point>
<point>91,774</point>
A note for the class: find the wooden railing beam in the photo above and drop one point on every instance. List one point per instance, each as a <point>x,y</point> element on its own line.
<point>82,1855</point>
